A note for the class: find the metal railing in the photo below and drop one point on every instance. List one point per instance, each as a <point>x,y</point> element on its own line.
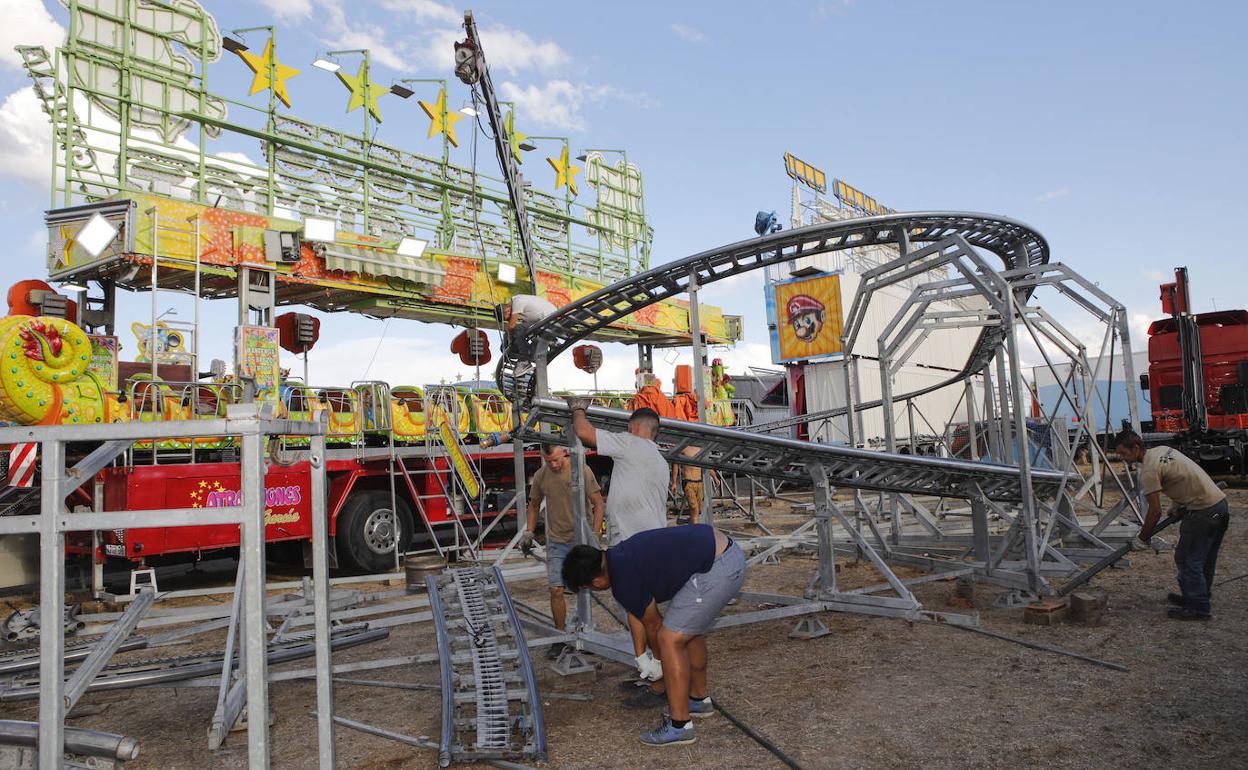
<point>251,424</point>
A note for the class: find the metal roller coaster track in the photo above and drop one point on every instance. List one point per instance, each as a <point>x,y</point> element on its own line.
<point>734,451</point>
<point>1016,244</point>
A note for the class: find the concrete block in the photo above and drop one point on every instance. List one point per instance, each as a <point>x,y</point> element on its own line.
<point>964,588</point>
<point>1088,607</point>
<point>1048,612</point>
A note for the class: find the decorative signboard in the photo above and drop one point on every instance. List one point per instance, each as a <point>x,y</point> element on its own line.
<point>103,362</point>
<point>257,358</point>
<point>805,318</point>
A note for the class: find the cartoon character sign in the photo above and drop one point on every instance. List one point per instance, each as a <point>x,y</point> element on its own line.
<point>170,343</point>
<point>805,315</point>
<point>807,321</point>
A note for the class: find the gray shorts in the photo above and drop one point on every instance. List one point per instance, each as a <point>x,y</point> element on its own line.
<point>696,605</point>
<point>555,554</point>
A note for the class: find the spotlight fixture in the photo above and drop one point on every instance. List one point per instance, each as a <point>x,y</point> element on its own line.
<point>411,247</point>
<point>232,45</point>
<point>71,286</point>
<point>95,235</point>
<point>329,65</point>
<point>470,112</point>
<point>527,146</point>
<point>401,91</point>
<point>324,230</point>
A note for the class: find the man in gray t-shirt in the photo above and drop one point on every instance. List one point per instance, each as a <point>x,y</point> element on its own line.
<point>637,498</point>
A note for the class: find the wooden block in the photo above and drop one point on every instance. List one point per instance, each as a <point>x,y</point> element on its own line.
<point>965,587</point>
<point>1088,607</point>
<point>1048,612</point>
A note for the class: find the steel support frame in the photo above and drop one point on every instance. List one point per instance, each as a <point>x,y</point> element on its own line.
<point>252,423</point>
<point>915,320</point>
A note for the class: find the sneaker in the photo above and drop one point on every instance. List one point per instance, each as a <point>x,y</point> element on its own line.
<point>646,698</point>
<point>1186,614</point>
<point>701,708</point>
<point>1175,599</point>
<point>554,651</point>
<point>667,734</point>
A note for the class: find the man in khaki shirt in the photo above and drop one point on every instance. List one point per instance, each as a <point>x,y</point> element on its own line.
<point>691,475</point>
<point>1204,513</point>
<point>553,484</point>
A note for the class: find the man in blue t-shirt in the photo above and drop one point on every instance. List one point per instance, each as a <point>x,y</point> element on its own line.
<point>699,570</point>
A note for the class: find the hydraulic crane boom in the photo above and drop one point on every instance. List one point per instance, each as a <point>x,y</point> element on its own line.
<point>470,67</point>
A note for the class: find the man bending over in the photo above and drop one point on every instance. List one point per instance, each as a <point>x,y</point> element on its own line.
<point>699,570</point>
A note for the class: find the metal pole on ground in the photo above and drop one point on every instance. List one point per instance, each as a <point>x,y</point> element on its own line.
<point>320,588</point>
<point>51,608</point>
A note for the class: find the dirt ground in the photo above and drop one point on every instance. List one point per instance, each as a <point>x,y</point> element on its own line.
<point>875,693</point>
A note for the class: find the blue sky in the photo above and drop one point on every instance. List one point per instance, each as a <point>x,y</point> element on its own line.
<point>1115,128</point>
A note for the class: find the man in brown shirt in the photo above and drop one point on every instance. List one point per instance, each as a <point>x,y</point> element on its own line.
<point>552,484</point>
<point>691,477</point>
<point>1204,513</point>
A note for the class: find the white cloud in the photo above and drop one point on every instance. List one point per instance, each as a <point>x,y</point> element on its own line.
<point>1052,195</point>
<point>1139,330</point>
<point>560,104</point>
<point>1155,275</point>
<point>26,22</point>
<point>828,8</point>
<point>288,10</point>
<point>687,32</point>
<point>25,138</point>
<point>424,10</point>
<point>507,50</point>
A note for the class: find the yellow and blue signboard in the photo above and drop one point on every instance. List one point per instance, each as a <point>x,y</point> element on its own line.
<point>804,317</point>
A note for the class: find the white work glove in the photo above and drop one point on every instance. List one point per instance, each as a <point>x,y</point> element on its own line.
<point>577,402</point>
<point>648,667</point>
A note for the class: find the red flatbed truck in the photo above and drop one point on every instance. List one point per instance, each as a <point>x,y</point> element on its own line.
<point>359,504</point>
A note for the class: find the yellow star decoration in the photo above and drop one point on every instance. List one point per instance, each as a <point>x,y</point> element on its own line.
<point>565,172</point>
<point>364,92</point>
<point>260,65</point>
<point>437,125</point>
<point>514,137</point>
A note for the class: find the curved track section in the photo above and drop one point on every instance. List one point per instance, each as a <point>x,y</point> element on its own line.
<point>491,709</point>
<point>1016,244</point>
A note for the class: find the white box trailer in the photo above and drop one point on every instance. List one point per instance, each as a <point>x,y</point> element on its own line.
<point>1109,390</point>
<point>825,389</point>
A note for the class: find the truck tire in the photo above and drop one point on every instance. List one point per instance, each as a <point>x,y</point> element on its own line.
<point>366,531</point>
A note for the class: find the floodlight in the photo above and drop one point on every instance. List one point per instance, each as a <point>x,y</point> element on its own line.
<point>506,273</point>
<point>232,45</point>
<point>526,146</point>
<point>95,235</point>
<point>319,230</point>
<point>582,158</point>
<point>71,286</point>
<point>327,64</point>
<point>401,91</point>
<point>412,247</point>
<point>470,112</point>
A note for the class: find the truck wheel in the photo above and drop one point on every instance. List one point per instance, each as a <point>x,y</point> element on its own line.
<point>367,529</point>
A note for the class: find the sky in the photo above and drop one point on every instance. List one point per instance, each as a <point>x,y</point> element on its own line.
<point>1116,129</point>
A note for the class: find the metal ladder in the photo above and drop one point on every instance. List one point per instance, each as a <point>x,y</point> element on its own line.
<point>490,705</point>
